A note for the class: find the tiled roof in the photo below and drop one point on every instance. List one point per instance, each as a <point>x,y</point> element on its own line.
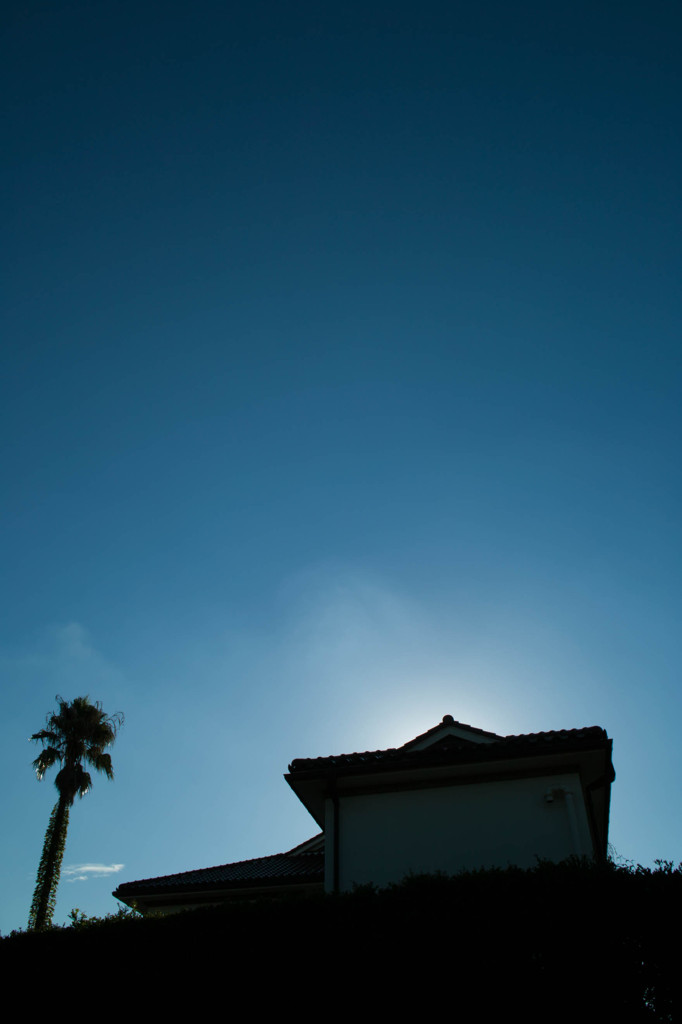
<point>279,869</point>
<point>454,750</point>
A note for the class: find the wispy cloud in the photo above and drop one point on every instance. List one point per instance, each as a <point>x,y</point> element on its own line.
<point>63,659</point>
<point>82,872</point>
<point>380,664</point>
<point>375,665</point>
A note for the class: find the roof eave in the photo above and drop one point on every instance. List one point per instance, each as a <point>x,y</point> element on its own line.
<point>313,786</point>
<point>169,896</point>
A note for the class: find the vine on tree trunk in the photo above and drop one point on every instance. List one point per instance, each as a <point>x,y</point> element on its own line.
<point>49,869</point>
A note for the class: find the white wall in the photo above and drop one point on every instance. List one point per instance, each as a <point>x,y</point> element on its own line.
<point>385,836</point>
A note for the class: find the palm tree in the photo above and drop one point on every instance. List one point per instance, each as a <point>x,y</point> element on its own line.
<point>76,735</point>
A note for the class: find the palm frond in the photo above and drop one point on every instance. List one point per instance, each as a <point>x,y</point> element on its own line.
<point>78,732</point>
<point>45,759</point>
<point>100,761</point>
<point>73,781</point>
<point>84,783</point>
<point>46,736</point>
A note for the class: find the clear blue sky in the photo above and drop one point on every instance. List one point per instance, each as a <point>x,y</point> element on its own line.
<point>341,391</point>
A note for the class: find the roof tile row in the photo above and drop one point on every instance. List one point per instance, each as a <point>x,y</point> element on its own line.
<point>454,749</point>
<point>279,868</point>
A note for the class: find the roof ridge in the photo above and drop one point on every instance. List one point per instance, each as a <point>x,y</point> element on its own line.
<point>449,721</point>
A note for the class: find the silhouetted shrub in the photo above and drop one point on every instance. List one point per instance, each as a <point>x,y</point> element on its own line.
<point>546,943</point>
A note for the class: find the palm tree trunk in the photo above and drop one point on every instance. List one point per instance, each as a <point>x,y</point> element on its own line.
<point>45,895</point>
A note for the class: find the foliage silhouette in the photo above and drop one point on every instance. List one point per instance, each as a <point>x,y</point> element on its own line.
<point>571,941</point>
<point>76,735</point>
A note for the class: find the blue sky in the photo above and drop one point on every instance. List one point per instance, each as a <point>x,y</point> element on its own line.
<point>341,392</point>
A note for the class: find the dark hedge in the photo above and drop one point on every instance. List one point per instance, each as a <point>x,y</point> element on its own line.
<point>600,942</point>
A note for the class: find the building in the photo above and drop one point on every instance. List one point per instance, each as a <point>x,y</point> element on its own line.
<point>454,798</point>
